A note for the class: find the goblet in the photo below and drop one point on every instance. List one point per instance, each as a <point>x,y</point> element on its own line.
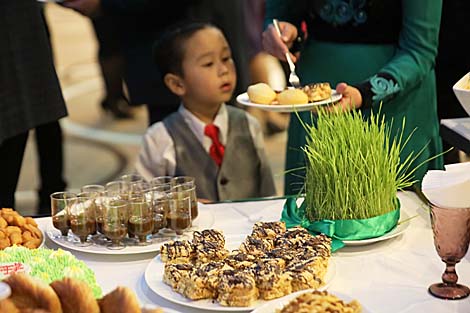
<point>140,217</point>
<point>82,218</point>
<point>187,183</point>
<point>451,229</point>
<point>178,217</point>
<point>115,220</point>
<point>60,204</point>
<point>159,196</point>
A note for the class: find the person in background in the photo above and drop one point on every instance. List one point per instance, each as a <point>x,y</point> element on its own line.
<point>140,22</point>
<point>451,64</point>
<point>30,94</point>
<point>263,67</point>
<point>111,61</point>
<point>220,145</point>
<point>380,55</point>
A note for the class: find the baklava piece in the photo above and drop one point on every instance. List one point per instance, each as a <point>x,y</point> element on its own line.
<point>207,251</point>
<point>202,282</point>
<point>237,289</point>
<point>268,229</point>
<point>209,235</point>
<point>175,272</point>
<point>176,251</point>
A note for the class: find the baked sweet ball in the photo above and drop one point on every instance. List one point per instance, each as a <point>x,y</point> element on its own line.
<point>261,93</point>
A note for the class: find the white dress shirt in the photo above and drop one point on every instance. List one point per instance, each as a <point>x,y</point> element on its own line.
<point>157,153</point>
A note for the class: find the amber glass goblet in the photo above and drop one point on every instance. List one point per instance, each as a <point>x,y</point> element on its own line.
<point>61,202</point>
<point>451,229</point>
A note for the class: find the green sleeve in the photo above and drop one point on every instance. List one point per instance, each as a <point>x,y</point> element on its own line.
<point>418,42</point>
<point>415,54</point>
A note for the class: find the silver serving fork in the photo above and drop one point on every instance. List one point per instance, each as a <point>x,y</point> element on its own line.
<point>294,80</point>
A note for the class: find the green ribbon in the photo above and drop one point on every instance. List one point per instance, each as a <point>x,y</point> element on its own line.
<point>339,230</point>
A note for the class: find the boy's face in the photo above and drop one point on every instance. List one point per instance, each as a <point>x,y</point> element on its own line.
<point>209,72</point>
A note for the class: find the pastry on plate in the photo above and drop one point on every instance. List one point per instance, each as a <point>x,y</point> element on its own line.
<point>292,96</point>
<point>175,272</point>
<point>179,251</point>
<point>75,296</point>
<point>320,302</point>
<point>120,300</point>
<point>261,93</point>
<point>29,293</point>
<point>317,91</point>
<point>237,289</point>
<point>268,229</point>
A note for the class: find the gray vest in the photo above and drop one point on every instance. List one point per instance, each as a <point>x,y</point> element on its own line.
<point>241,175</point>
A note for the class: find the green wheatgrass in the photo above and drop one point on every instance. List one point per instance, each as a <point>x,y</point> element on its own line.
<point>353,168</point>
<point>51,265</point>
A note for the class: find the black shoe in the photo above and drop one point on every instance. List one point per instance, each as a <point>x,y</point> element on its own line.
<point>119,109</point>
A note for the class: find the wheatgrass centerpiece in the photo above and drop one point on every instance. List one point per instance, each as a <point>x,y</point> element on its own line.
<point>353,172</point>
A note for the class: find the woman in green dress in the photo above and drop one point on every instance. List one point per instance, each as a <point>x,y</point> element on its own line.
<point>377,54</point>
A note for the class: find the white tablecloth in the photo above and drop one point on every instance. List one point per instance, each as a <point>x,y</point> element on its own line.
<point>386,277</point>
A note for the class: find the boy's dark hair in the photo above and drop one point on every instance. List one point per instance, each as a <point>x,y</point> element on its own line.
<point>169,48</point>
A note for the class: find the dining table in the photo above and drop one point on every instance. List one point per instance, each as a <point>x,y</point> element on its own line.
<point>386,275</point>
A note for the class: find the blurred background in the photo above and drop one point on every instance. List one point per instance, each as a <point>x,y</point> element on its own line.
<point>98,147</point>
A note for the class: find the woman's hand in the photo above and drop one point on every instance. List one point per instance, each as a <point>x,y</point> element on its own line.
<point>279,46</point>
<point>352,98</point>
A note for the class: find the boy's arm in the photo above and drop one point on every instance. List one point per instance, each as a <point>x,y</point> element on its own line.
<point>157,153</point>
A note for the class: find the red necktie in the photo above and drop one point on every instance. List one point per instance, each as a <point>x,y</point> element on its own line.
<point>217,149</point>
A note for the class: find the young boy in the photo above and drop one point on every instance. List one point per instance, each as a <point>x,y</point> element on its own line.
<point>218,144</point>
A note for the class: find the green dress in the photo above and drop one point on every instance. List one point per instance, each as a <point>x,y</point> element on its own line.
<point>385,48</point>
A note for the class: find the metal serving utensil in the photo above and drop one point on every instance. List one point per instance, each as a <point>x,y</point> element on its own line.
<point>294,80</point>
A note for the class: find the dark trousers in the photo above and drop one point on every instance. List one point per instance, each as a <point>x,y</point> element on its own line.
<point>51,163</point>
<point>11,156</point>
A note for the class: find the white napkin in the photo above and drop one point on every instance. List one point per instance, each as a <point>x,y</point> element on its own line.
<point>449,188</point>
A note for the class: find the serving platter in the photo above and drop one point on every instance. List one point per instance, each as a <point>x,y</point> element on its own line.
<point>401,227</point>
<point>204,220</point>
<point>154,279</point>
<point>243,99</point>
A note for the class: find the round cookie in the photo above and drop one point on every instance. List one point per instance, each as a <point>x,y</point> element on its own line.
<point>261,93</point>
<point>292,96</point>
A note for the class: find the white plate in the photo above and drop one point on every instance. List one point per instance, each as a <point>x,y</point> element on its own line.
<point>204,220</point>
<point>164,310</point>
<point>271,306</point>
<point>244,100</point>
<point>154,279</point>
<point>403,224</point>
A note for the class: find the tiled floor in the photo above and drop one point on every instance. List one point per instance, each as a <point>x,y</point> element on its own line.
<point>97,147</point>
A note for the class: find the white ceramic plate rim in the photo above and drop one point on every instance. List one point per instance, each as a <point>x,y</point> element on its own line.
<point>154,280</point>
<point>244,100</point>
<point>272,305</point>
<point>403,224</point>
<point>203,221</point>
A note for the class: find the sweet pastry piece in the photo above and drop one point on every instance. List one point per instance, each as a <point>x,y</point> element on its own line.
<point>305,275</point>
<point>317,92</point>
<point>255,246</point>
<point>175,272</point>
<point>271,280</point>
<point>261,93</point>
<point>30,293</point>
<point>6,305</point>
<point>292,96</point>
<point>207,251</point>
<point>176,251</point>
<point>120,300</point>
<point>201,283</point>
<point>320,302</point>
<point>237,289</point>
<point>158,310</point>
<point>239,260</point>
<point>209,235</point>
<point>268,229</point>
<point>75,296</point>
